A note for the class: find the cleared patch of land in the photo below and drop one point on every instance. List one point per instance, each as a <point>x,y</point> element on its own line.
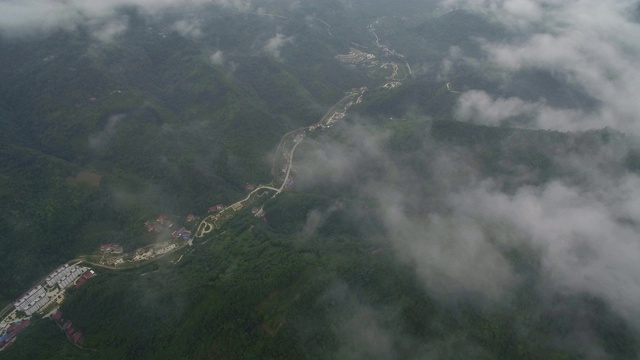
<point>85,177</point>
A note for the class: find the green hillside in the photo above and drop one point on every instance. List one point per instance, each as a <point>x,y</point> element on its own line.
<point>387,226</point>
<point>167,130</point>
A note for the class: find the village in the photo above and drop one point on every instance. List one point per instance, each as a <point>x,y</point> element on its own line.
<point>169,239</point>
<point>377,68</point>
<point>43,299</point>
<point>46,296</point>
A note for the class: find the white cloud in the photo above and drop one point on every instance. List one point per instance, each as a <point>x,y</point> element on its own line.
<point>452,257</point>
<point>27,17</point>
<point>584,245</point>
<point>478,106</point>
<point>217,58</point>
<point>99,141</point>
<point>188,28</point>
<point>590,44</point>
<point>110,29</point>
<point>275,44</point>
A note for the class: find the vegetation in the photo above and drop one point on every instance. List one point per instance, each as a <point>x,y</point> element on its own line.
<point>167,130</point>
<point>162,128</point>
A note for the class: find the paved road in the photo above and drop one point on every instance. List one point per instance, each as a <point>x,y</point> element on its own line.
<point>6,310</point>
<point>284,182</point>
<point>324,118</point>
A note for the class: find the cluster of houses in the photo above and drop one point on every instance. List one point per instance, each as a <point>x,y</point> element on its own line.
<point>39,296</point>
<point>148,253</point>
<point>45,295</point>
<point>181,233</point>
<point>36,298</point>
<point>161,223</point>
<point>64,276</point>
<point>32,301</point>
<point>86,276</point>
<point>112,248</point>
<point>215,208</point>
<point>8,332</point>
<point>357,57</point>
<point>67,326</point>
<point>257,212</point>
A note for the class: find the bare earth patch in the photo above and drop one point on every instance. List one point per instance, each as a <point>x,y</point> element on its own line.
<point>87,177</point>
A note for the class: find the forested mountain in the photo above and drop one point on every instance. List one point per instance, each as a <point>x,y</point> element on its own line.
<point>167,127</point>
<point>435,180</point>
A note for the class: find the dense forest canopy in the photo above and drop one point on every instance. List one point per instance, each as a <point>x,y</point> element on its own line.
<point>477,198</point>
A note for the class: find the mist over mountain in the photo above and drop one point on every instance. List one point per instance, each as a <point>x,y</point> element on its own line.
<point>400,180</point>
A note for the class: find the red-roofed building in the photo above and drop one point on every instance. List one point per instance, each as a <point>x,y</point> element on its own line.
<point>218,207</point>
<point>250,187</point>
<point>86,276</point>
<point>57,315</point>
<point>112,247</point>
<point>70,330</point>
<point>77,337</point>
<point>11,333</point>
<point>80,282</point>
<point>106,247</point>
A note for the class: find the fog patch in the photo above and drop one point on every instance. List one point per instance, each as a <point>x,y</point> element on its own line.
<point>363,331</point>
<point>275,45</point>
<point>317,218</point>
<point>586,43</point>
<point>452,256</point>
<point>188,28</point>
<point>363,337</point>
<point>100,140</point>
<point>584,245</point>
<point>23,18</point>
<point>217,58</point>
<point>107,31</point>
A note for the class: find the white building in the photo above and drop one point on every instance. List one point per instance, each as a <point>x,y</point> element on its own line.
<point>53,278</point>
<point>36,298</point>
<point>36,304</point>
<point>64,276</point>
<point>22,304</point>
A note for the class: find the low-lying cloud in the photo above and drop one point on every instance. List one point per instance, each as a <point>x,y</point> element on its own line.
<point>188,28</point>
<point>480,107</point>
<point>589,45</point>
<point>275,44</point>
<point>20,18</point>
<point>581,227</point>
<point>584,244</point>
<point>217,58</point>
